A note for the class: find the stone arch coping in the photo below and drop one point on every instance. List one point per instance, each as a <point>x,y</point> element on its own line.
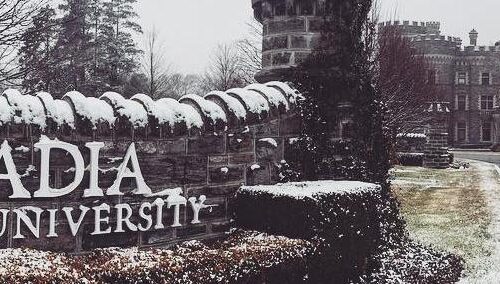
<point>132,110</point>
<point>215,108</point>
<point>231,106</point>
<point>291,94</point>
<point>274,97</point>
<point>213,114</point>
<point>253,102</point>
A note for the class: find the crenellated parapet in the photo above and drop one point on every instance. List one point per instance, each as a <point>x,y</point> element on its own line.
<point>414,27</point>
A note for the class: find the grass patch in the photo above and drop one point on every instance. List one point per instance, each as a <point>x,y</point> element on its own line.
<point>446,209</point>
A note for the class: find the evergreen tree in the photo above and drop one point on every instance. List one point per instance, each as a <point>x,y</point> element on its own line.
<point>73,47</point>
<point>117,28</point>
<point>90,48</point>
<point>37,52</point>
<point>337,83</point>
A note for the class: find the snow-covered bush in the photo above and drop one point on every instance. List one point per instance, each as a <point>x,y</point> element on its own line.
<point>346,220</point>
<point>244,257</point>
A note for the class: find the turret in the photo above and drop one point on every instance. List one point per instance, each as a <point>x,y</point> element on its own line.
<point>291,30</point>
<point>473,35</point>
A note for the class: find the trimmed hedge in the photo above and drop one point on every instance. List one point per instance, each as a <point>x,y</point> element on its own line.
<point>410,262</point>
<point>244,257</point>
<point>358,233</point>
<point>347,225</point>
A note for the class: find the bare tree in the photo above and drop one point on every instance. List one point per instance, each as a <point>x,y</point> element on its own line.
<point>180,85</point>
<point>15,17</point>
<point>405,80</point>
<point>224,70</point>
<point>250,52</point>
<point>155,66</point>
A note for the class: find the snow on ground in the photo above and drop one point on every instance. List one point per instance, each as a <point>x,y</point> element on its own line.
<point>490,185</point>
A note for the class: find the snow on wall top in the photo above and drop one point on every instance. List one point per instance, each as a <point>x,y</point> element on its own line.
<point>211,110</point>
<point>60,111</point>
<point>193,110</point>
<point>6,112</point>
<point>134,111</point>
<point>182,112</point>
<point>253,101</point>
<point>95,110</point>
<point>27,109</point>
<point>291,94</point>
<point>302,190</point>
<point>275,97</point>
<point>233,104</point>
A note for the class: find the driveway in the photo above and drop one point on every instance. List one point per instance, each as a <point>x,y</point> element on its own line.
<point>478,155</point>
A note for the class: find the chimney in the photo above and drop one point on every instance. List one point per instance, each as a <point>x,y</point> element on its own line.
<point>473,37</point>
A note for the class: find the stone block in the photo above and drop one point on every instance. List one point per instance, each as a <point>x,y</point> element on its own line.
<point>174,146</point>
<point>242,158</point>
<point>218,160</point>
<point>260,175</point>
<point>281,58</point>
<point>265,130</point>
<point>227,174</point>
<point>239,142</point>
<point>269,149</point>
<point>206,145</point>
<point>298,41</point>
<point>288,25</point>
<point>275,42</point>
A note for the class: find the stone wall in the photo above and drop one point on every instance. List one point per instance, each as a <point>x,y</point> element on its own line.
<point>212,161</point>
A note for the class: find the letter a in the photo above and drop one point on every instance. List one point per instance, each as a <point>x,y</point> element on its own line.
<point>18,190</point>
<point>125,172</point>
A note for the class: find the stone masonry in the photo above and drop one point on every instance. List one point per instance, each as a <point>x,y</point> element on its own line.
<point>291,30</point>
<point>436,153</point>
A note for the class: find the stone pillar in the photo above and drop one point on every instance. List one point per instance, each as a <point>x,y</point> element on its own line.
<point>436,154</point>
<point>291,30</point>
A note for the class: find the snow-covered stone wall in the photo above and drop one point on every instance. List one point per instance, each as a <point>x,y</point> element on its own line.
<point>204,145</point>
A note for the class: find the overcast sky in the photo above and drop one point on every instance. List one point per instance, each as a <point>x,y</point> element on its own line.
<point>190,29</point>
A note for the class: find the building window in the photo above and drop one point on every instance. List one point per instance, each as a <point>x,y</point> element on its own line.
<point>486,102</point>
<point>431,77</point>
<point>346,129</point>
<point>462,78</point>
<point>461,131</point>
<point>486,131</point>
<point>461,102</point>
<point>485,79</point>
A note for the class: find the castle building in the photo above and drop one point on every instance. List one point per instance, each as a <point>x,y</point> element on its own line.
<point>467,77</point>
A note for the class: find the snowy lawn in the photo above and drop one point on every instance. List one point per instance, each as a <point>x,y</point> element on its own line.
<point>451,210</point>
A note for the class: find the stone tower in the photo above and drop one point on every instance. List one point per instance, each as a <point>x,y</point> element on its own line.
<point>291,30</point>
